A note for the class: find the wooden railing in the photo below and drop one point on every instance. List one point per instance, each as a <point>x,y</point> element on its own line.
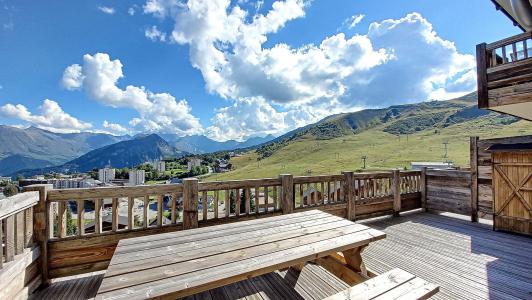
<point>16,232</point>
<point>19,256</point>
<point>504,71</point>
<point>85,225</point>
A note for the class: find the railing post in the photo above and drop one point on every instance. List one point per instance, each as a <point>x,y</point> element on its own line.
<point>42,226</point>
<point>349,194</point>
<point>423,188</point>
<point>396,192</point>
<point>287,193</point>
<point>482,76</point>
<point>473,162</point>
<point>190,203</point>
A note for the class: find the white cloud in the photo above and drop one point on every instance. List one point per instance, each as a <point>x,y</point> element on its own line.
<point>131,11</point>
<point>115,128</point>
<point>352,21</point>
<point>396,61</point>
<point>106,10</point>
<point>154,34</point>
<point>158,112</point>
<point>72,77</point>
<point>51,117</point>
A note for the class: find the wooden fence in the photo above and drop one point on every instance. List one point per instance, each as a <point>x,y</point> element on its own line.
<point>481,171</point>
<point>85,225</point>
<point>19,266</point>
<point>449,190</point>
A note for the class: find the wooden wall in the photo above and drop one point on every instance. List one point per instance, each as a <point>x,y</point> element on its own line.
<point>449,190</point>
<point>20,277</point>
<point>483,165</point>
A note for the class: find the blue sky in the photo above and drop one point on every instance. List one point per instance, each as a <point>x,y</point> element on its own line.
<point>231,70</point>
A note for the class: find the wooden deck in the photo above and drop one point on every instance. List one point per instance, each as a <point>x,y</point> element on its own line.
<point>467,260</point>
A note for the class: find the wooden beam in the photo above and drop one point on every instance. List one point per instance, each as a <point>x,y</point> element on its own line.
<point>287,193</point>
<point>349,195</point>
<point>423,188</point>
<point>396,188</point>
<point>482,76</point>
<point>190,203</point>
<point>473,161</point>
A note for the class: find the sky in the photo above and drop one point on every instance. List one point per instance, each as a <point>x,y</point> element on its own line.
<point>231,69</point>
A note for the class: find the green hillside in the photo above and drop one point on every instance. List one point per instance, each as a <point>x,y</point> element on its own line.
<point>389,138</point>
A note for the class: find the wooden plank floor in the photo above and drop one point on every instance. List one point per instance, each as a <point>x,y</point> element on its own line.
<point>467,261</point>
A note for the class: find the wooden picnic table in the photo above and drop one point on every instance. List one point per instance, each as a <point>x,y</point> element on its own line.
<point>184,263</point>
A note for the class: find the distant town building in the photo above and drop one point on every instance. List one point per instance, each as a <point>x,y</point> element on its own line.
<point>136,177</point>
<point>418,165</point>
<point>74,183</point>
<point>193,162</point>
<point>5,179</point>
<point>30,181</point>
<point>159,166</point>
<point>105,175</point>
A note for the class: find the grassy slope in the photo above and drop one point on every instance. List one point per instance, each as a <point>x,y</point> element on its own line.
<point>384,151</point>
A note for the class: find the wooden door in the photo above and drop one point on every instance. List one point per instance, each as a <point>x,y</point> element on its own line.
<point>512,184</point>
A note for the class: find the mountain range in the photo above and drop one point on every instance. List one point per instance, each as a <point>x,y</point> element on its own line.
<point>34,148</point>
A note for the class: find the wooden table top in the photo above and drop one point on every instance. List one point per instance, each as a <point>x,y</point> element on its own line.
<point>183,263</point>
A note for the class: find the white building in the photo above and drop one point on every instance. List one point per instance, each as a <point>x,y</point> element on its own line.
<point>136,177</point>
<point>73,183</point>
<point>193,162</point>
<point>159,166</point>
<point>417,165</point>
<point>105,175</point>
<point>5,179</point>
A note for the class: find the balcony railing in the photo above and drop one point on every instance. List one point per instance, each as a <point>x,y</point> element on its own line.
<point>76,230</point>
<point>504,71</point>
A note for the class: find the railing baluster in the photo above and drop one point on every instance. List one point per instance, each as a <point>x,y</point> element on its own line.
<point>237,202</point>
<point>61,219</point>
<point>98,203</point>
<point>28,235</point>
<point>504,59</point>
<point>514,49</point>
<point>322,195</point>
<point>81,217</point>
<point>275,198</point>
<point>114,215</point>
<point>227,204</point>
<point>160,210</point>
<point>19,232</point>
<point>216,199</point>
<point>525,49</point>
<point>174,209</point>
<point>301,202</point>
<point>247,195</point>
<point>10,237</point>
<point>257,197</point>
<point>266,196</point>
<point>204,208</point>
<point>145,212</point>
<point>130,218</point>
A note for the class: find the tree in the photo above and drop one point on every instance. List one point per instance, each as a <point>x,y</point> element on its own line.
<point>20,177</point>
<point>243,201</point>
<point>10,190</point>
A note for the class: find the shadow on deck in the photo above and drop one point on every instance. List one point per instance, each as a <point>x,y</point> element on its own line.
<point>467,260</point>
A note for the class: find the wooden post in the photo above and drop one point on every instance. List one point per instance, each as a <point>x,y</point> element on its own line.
<point>190,203</point>
<point>482,76</point>
<point>396,192</point>
<point>423,188</point>
<point>42,226</point>
<point>349,194</point>
<point>473,162</point>
<point>287,193</point>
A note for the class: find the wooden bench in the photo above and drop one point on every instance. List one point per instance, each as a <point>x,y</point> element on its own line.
<point>394,284</point>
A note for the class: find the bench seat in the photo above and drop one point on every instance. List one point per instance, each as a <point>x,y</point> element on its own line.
<point>394,284</point>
